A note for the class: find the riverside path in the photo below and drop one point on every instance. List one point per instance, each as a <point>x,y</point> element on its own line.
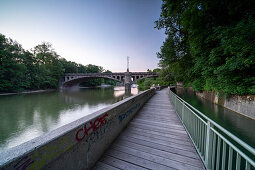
<point>154,139</point>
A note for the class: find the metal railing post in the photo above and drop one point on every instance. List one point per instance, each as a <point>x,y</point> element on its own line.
<point>182,111</point>
<point>207,143</point>
<point>175,101</point>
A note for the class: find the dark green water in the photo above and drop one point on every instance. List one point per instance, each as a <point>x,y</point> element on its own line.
<point>24,117</point>
<point>239,125</point>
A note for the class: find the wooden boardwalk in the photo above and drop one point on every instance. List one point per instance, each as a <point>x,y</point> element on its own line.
<point>154,139</point>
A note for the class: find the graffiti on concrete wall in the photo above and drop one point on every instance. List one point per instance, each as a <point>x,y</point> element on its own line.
<point>90,127</point>
<point>129,112</point>
<point>99,134</point>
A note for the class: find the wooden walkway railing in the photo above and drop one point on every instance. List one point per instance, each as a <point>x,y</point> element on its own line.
<point>154,139</point>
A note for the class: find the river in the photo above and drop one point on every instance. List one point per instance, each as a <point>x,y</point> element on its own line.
<point>241,126</point>
<point>26,116</point>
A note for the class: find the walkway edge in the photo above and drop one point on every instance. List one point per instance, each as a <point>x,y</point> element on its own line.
<point>77,145</point>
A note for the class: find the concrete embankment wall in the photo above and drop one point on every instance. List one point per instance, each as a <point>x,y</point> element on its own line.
<point>77,145</point>
<point>244,105</point>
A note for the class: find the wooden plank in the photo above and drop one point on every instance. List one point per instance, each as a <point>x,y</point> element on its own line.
<point>160,117</point>
<point>160,147</point>
<point>168,155</point>
<point>162,121</point>
<point>154,158</point>
<point>157,123</point>
<point>168,120</point>
<point>162,142</point>
<point>102,166</point>
<point>157,133</point>
<point>136,160</point>
<point>162,129</point>
<point>162,138</point>
<point>158,130</point>
<point>163,117</point>
<point>118,163</point>
<point>160,109</point>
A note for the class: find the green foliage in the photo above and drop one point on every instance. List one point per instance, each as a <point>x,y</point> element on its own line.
<point>41,68</point>
<point>210,44</point>
<point>164,79</point>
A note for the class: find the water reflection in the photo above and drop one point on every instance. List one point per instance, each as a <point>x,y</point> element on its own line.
<point>24,117</point>
<point>238,124</point>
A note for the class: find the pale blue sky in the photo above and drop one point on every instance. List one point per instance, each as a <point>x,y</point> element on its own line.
<point>100,32</point>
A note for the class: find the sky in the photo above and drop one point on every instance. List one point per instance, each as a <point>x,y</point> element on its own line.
<point>99,32</point>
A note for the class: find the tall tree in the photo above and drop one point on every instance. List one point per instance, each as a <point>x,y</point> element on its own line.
<point>210,44</point>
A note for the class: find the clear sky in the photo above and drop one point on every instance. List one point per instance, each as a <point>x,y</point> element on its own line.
<point>100,32</point>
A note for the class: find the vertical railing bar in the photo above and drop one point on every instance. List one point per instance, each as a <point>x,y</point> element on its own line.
<point>230,158</point>
<point>205,127</point>
<point>192,129</point>
<point>202,138</point>
<point>218,153</point>
<point>190,125</point>
<point>247,165</point>
<point>214,150</point>
<point>196,133</point>
<point>207,143</point>
<point>210,147</point>
<point>175,101</point>
<point>182,110</point>
<point>199,136</point>
<point>223,164</point>
<point>238,161</point>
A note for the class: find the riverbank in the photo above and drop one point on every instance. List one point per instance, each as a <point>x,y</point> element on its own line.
<point>244,105</point>
<point>28,92</point>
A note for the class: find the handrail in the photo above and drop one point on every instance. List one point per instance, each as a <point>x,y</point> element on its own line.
<point>204,135</point>
<point>239,141</point>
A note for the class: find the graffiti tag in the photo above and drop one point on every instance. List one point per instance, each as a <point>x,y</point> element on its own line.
<point>90,127</point>
<point>127,113</point>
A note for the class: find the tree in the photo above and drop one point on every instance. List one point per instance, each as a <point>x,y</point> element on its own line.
<point>210,44</point>
<point>50,67</point>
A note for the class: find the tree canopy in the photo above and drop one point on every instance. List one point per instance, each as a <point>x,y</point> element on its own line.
<point>40,68</point>
<point>210,44</point>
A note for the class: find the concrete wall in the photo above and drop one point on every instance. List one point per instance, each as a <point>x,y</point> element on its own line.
<point>244,105</point>
<point>77,145</point>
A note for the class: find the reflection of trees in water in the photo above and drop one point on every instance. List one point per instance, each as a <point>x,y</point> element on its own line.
<point>19,112</point>
<point>91,96</point>
<point>239,125</point>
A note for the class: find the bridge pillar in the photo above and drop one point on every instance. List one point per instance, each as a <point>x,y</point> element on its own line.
<point>127,81</point>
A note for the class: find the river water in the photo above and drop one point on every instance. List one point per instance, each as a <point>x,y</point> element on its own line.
<point>241,126</point>
<point>26,116</point>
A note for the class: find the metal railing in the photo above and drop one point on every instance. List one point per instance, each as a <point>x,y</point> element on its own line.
<point>217,147</point>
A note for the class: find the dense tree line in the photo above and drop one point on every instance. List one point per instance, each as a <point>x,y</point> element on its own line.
<point>210,44</point>
<point>39,68</point>
<point>163,79</point>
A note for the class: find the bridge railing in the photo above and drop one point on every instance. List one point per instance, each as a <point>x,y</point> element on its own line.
<point>217,147</point>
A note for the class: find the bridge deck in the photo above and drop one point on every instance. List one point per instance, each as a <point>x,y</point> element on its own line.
<point>154,139</point>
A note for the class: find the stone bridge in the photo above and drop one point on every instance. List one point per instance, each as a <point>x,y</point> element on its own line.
<point>124,77</point>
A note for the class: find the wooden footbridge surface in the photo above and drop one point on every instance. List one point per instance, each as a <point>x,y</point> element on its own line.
<point>154,139</point>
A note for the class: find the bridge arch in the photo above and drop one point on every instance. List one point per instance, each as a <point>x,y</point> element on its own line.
<point>127,78</point>
<point>71,81</point>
